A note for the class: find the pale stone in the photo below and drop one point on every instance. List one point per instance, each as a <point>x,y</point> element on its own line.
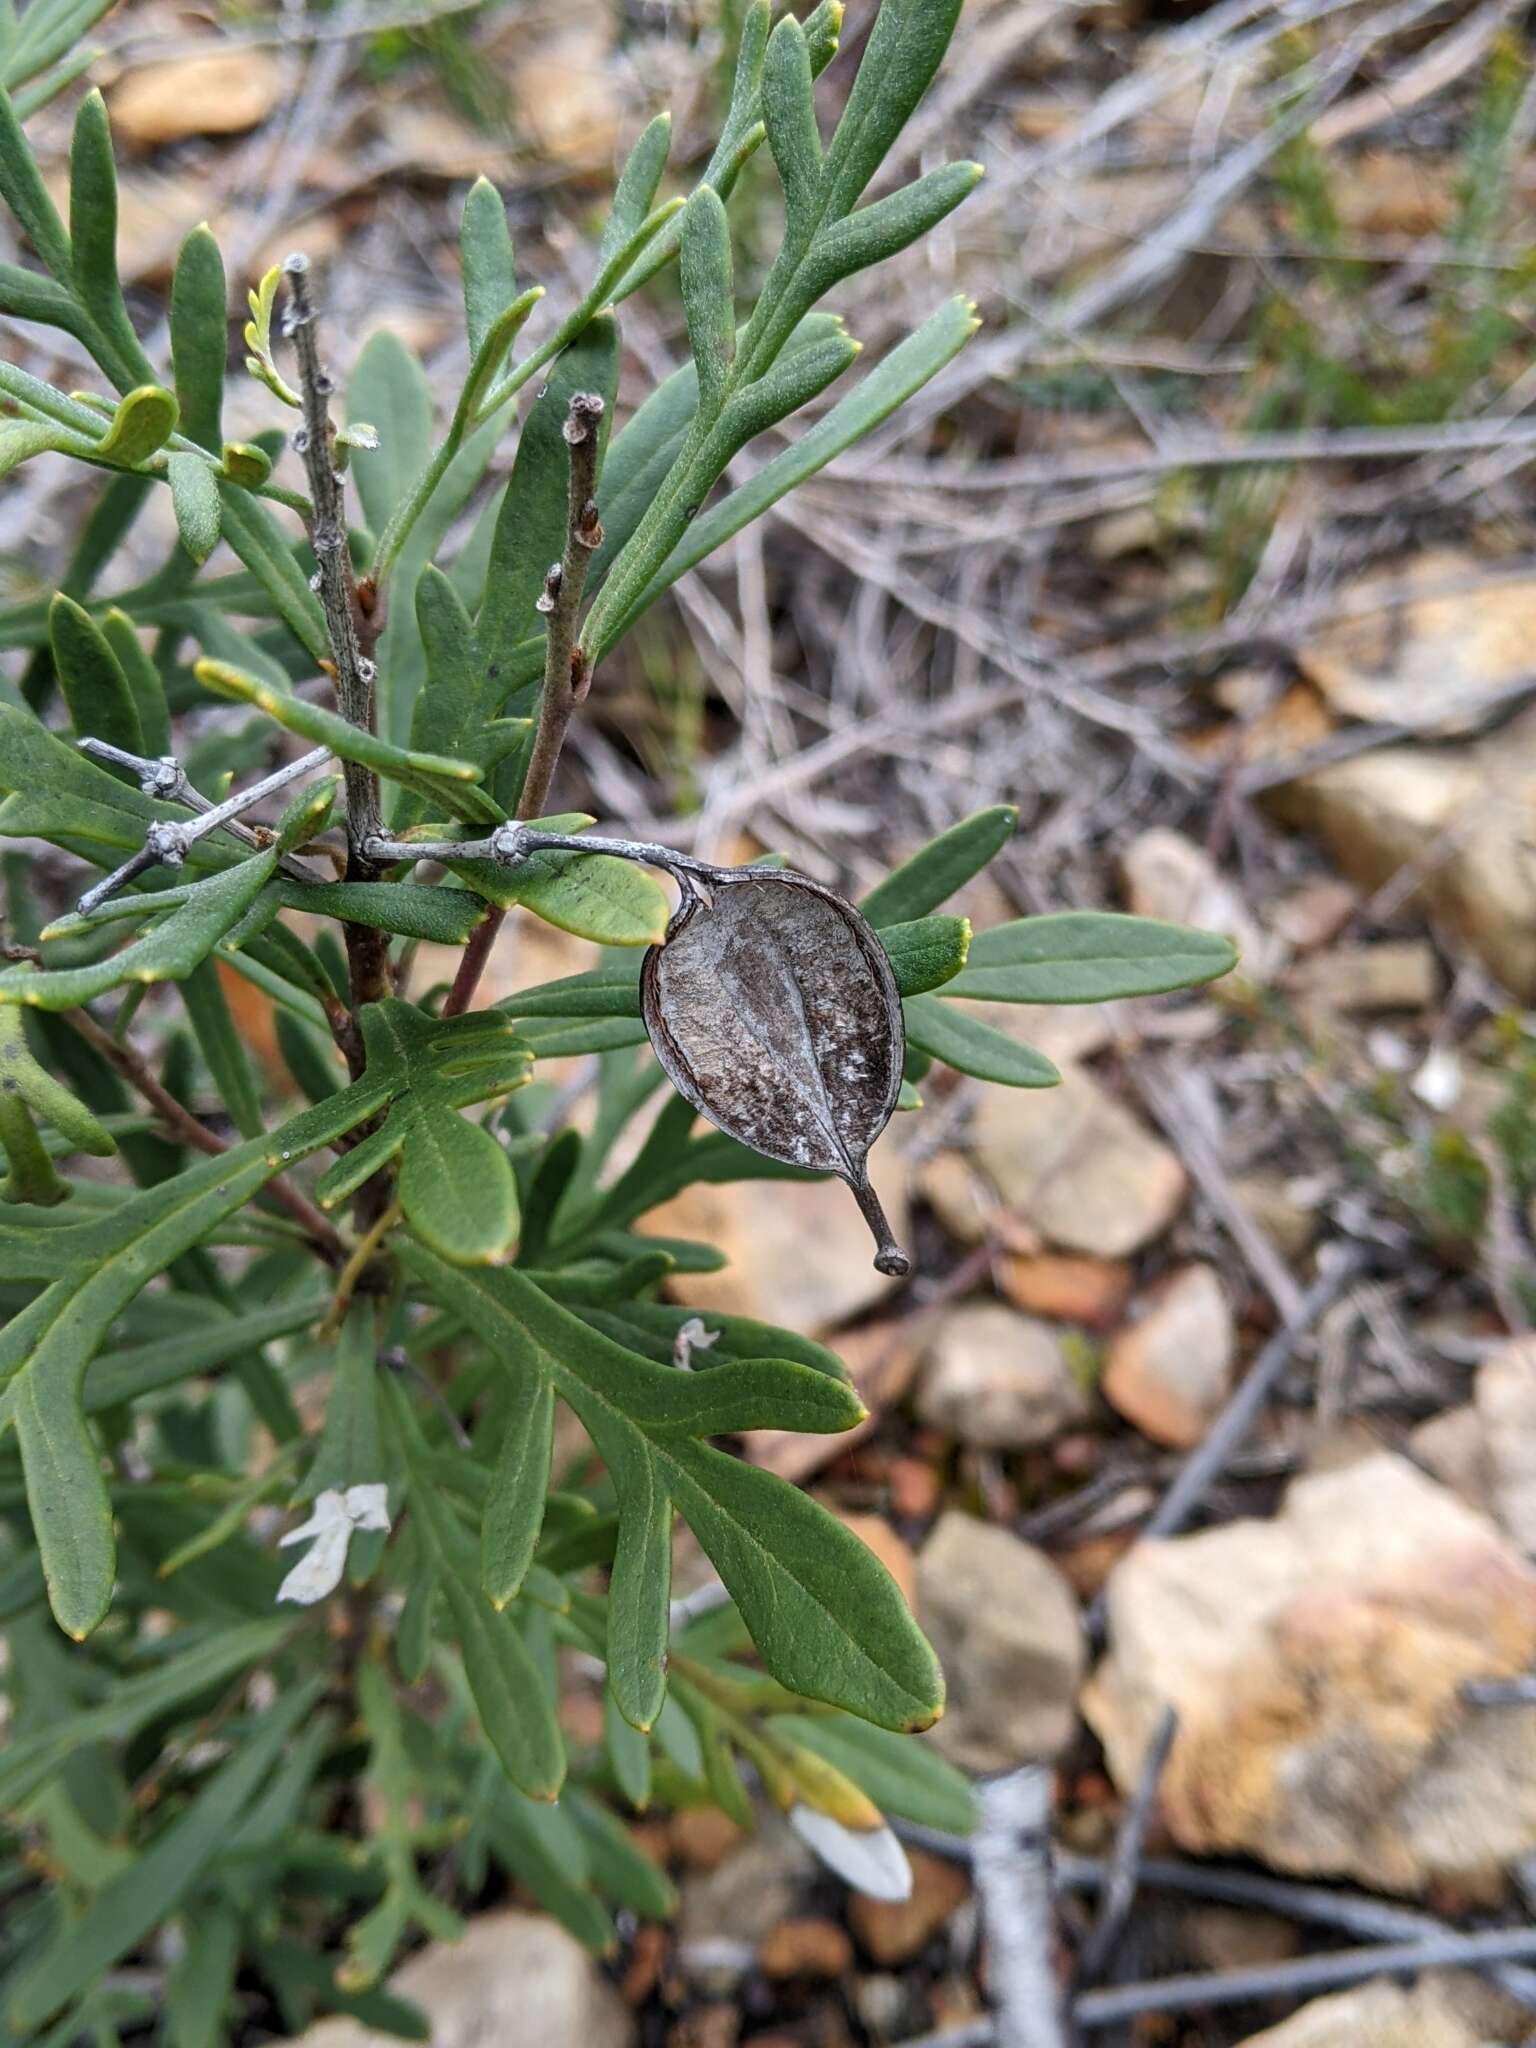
<point>1078,1165</point>
<point>1317,1663</point>
<point>1454,2010</point>
<point>214,92</point>
<point>1168,876</point>
<point>513,1977</point>
<point>1506,1408</point>
<point>998,1380</point>
<point>1008,1634</point>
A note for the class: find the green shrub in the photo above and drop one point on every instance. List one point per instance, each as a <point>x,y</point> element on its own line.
<point>238,1770</point>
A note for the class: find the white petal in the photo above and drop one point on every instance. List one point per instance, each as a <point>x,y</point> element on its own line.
<point>869,1859</point>
<point>329,1513</point>
<point>692,1336</point>
<point>368,1506</point>
<point>319,1571</point>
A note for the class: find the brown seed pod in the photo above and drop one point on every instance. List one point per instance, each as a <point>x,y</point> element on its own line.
<point>772,1007</point>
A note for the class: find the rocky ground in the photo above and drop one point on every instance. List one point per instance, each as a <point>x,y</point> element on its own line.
<point>1275,1664</point>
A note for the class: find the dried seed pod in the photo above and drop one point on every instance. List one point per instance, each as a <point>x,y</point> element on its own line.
<point>773,1009</point>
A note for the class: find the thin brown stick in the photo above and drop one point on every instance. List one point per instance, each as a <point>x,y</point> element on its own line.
<point>567,674</point>
<point>367,948</point>
<point>181,1124</point>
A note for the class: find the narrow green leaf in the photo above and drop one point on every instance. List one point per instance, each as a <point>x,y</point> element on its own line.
<point>941,867</point>
<point>629,1754</point>
<point>635,194</point>
<point>132,1905</point>
<point>144,421</point>
<point>515,1709</point>
<point>901,1776</point>
<point>1089,956</point>
<point>964,1042</point>
<point>904,50</point>
<point>485,251</point>
<point>905,370</point>
<point>433,775</point>
<point>195,498</point>
<point>620,1870</point>
<point>927,952</point>
<point>223,1048</point>
<point>351,1448</point>
<point>389,389</point>
<point>449,714</point>
<point>145,683</point>
<point>25,1079</point>
<point>789,115</point>
<point>200,337</point>
<point>200,1989</point>
<point>256,538</point>
<point>101,702</point>
<point>167,953</point>
<point>530,528</point>
<point>486,363</point>
<point>20,440</point>
<point>456,1188</point>
<point>514,1509</point>
<point>704,268</point>
<point>180,1677</point>
<point>93,246</point>
<point>23,190</point>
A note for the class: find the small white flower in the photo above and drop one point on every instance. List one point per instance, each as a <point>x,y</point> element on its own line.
<point>330,1526</point>
<point>693,1336</point>
<point>1438,1081</point>
<point>869,1859</point>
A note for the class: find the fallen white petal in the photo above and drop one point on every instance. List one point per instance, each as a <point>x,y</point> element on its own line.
<point>869,1859</point>
<point>330,1512</point>
<point>368,1506</point>
<point>319,1571</point>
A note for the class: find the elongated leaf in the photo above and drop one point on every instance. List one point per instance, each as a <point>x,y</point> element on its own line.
<point>889,226</point>
<point>23,190</point>
<point>124,1375</point>
<point>944,865</point>
<point>195,498</point>
<point>964,1042</point>
<point>442,916</point>
<point>20,440</point>
<point>200,337</point>
<point>257,539</point>
<point>200,1988</point>
<point>25,1080</point>
<point>903,52</point>
<point>434,775</point>
<point>635,194</point>
<point>167,953</point>
<point>902,1777</point>
<point>705,272</point>
<point>456,1188</point>
<point>449,712</point>
<point>905,370</point>
<point>223,1048</point>
<point>1089,956</point>
<point>132,1904</point>
<point>100,701</point>
<point>93,248</point>
<point>629,1754</point>
<point>828,1621</point>
<point>485,250</point>
<point>515,1709</point>
<point>514,1509</point>
<point>184,1674</point>
<point>789,115</point>
<point>144,680</point>
<point>530,530</point>
<point>351,1451</point>
<point>389,390</point>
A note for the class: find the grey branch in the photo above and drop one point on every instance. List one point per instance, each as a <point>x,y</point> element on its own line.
<point>513,843</point>
<point>338,590</point>
<point>167,842</point>
<point>1011,1858</point>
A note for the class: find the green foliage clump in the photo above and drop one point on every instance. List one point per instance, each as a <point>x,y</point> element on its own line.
<point>365,1312</point>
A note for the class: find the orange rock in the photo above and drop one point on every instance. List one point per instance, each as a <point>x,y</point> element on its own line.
<point>703,1837</point>
<point>914,1486</point>
<point>894,1932</point>
<point>1069,1290</point>
<point>1169,1372</point>
<point>220,91</point>
<point>806,1948</point>
<point>876,1534</point>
